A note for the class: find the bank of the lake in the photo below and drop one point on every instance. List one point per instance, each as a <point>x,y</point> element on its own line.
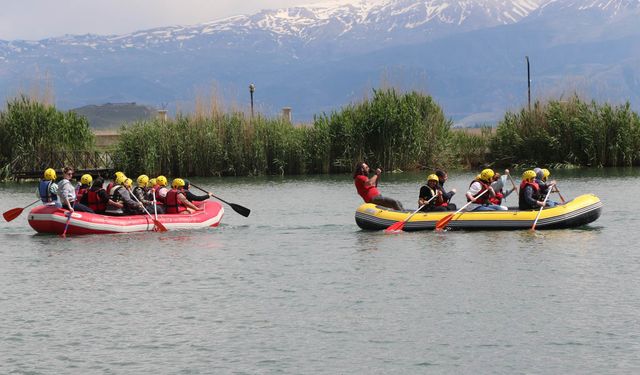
<point>298,288</point>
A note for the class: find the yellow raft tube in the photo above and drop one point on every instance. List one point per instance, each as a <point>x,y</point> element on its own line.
<point>577,212</point>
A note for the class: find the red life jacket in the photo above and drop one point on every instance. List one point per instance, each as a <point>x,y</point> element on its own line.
<point>535,186</point>
<point>484,199</point>
<point>94,201</point>
<point>159,199</point>
<point>172,205</point>
<point>81,192</point>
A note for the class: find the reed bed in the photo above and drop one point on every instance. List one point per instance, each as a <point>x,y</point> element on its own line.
<point>391,130</point>
<point>29,128</point>
<point>572,132</point>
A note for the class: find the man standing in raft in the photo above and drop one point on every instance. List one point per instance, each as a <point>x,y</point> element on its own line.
<point>367,187</point>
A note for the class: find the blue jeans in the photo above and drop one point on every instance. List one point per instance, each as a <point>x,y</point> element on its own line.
<point>489,207</point>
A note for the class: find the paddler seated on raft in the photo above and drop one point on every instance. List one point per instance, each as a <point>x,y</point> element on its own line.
<point>529,197</point>
<point>97,198</point>
<point>367,189</point>
<point>150,189</point>
<point>161,188</point>
<point>480,192</point>
<point>443,176</point>
<point>193,197</point>
<point>140,192</point>
<point>176,202</point>
<point>427,192</point>
<point>124,204</point>
<point>112,183</point>
<point>48,189</point>
<point>541,180</point>
<point>67,193</point>
<point>83,187</point>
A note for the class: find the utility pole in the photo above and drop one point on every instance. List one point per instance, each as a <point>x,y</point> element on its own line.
<point>252,88</point>
<point>528,83</point>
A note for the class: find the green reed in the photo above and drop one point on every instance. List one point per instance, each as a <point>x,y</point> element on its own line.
<point>29,128</point>
<point>391,130</point>
<point>572,132</point>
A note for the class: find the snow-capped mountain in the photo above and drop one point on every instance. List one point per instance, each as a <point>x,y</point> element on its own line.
<point>321,56</point>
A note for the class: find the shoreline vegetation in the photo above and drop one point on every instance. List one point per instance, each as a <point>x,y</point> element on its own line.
<point>391,129</point>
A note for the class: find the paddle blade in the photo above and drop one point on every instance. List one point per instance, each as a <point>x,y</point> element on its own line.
<point>12,214</point>
<point>158,226</point>
<point>395,227</point>
<point>240,209</point>
<point>443,222</point>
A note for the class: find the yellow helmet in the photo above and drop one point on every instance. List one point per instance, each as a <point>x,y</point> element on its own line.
<point>118,174</point>
<point>120,179</point>
<point>161,180</point>
<point>177,183</point>
<point>127,182</point>
<point>86,179</point>
<point>528,175</point>
<point>50,174</point>
<point>432,177</point>
<point>486,174</point>
<point>151,183</point>
<point>143,180</point>
<point>545,173</point>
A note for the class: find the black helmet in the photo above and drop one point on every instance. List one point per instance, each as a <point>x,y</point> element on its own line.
<point>186,184</point>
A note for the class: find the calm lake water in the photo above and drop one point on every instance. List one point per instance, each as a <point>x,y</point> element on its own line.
<point>298,288</point>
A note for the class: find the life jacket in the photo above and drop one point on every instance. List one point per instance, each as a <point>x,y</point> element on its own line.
<point>159,199</point>
<point>536,194</point>
<point>82,190</point>
<point>114,193</point>
<point>45,194</point>
<point>95,202</point>
<point>139,193</point>
<point>484,199</point>
<point>172,205</point>
<point>109,186</point>
<point>439,201</point>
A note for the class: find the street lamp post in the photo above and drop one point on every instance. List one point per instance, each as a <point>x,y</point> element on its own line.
<point>252,88</point>
<point>528,83</point>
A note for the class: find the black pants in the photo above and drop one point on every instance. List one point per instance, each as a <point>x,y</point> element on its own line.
<point>77,206</point>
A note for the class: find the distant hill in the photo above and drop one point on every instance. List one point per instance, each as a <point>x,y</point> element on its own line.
<point>113,115</point>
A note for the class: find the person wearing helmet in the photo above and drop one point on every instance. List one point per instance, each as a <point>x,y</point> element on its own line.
<point>131,206</point>
<point>368,190</point>
<point>541,179</point>
<point>427,192</point>
<point>48,189</point>
<point>142,191</point>
<point>480,192</point>
<point>116,191</point>
<point>112,183</point>
<point>176,202</point>
<point>161,189</point>
<point>443,176</point>
<point>83,188</point>
<point>67,193</point>
<point>529,196</point>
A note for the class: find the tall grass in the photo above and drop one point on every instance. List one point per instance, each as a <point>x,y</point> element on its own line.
<point>29,128</point>
<point>572,132</point>
<point>391,130</point>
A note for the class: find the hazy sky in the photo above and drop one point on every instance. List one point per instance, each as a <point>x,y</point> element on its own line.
<point>38,19</point>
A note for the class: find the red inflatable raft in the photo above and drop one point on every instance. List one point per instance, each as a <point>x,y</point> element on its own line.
<point>49,219</point>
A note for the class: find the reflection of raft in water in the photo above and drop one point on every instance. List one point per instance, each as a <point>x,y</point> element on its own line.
<point>579,211</point>
<point>49,219</point>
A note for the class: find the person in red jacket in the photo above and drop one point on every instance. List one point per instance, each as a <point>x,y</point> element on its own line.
<point>367,187</point>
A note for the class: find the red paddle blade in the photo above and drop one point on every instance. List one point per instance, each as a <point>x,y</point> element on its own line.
<point>159,227</point>
<point>395,227</point>
<point>12,214</point>
<point>443,222</point>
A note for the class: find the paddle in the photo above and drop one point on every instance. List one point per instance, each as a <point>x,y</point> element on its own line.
<point>445,220</point>
<point>515,188</point>
<point>236,207</point>
<point>544,202</point>
<point>15,212</point>
<point>155,205</point>
<point>399,225</point>
<point>66,225</point>
<point>555,188</point>
<point>157,225</point>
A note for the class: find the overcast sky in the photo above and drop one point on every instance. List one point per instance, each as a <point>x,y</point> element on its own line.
<point>39,19</point>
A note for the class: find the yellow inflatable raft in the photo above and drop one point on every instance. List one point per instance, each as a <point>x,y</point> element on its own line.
<point>579,211</point>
